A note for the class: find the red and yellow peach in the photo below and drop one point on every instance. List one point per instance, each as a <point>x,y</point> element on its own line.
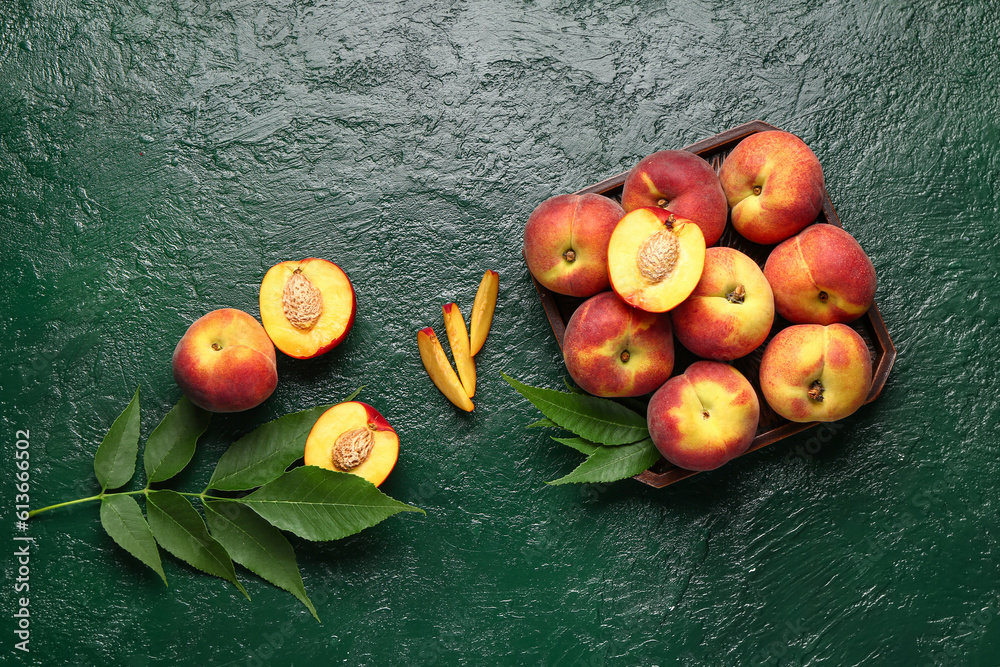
<point>730,312</point>
<point>774,185</point>
<point>612,349</point>
<point>566,243</point>
<point>812,372</point>
<point>225,362</point>
<point>683,183</point>
<point>704,417</point>
<point>821,276</point>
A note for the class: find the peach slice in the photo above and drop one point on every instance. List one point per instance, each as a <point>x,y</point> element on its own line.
<point>655,259</point>
<point>353,437</point>
<point>307,307</point>
<point>440,370</point>
<point>458,340</point>
<point>482,310</point>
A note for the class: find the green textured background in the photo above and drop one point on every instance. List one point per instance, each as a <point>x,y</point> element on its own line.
<point>157,157</point>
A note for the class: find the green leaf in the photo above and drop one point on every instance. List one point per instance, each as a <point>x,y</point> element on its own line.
<point>596,419</point>
<point>114,462</point>
<point>579,444</point>
<point>610,464</point>
<point>179,529</point>
<point>543,423</point>
<point>258,546</point>
<point>263,454</point>
<point>122,519</point>
<point>353,395</point>
<point>319,504</point>
<point>171,444</point>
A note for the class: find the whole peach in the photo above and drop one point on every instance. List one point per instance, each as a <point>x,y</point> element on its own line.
<point>704,417</point>
<point>812,372</point>
<point>225,362</point>
<point>821,276</point>
<point>566,243</point>
<point>682,182</point>
<point>774,185</point>
<point>613,349</point>
<point>731,310</point>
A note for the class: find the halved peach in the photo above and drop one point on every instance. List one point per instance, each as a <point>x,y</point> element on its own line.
<point>353,437</point>
<point>458,340</point>
<point>655,259</point>
<point>482,310</point>
<point>307,307</point>
<point>440,370</point>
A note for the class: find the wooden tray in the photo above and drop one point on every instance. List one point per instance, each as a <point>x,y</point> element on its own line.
<point>772,427</point>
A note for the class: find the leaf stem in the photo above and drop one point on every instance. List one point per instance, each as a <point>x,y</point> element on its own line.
<point>141,492</point>
<point>71,502</point>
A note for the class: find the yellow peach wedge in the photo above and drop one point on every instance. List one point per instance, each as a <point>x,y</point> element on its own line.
<point>440,370</point>
<point>458,340</point>
<point>482,310</point>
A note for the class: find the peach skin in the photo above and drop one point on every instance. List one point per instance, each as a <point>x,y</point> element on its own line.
<point>566,243</point>
<point>704,417</point>
<point>683,183</point>
<point>730,311</point>
<point>225,362</point>
<point>821,276</point>
<point>774,185</point>
<point>812,372</point>
<point>613,349</point>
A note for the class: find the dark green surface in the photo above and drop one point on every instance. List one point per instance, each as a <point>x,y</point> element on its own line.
<point>156,158</point>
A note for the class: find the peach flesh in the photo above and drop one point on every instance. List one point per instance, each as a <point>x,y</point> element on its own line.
<point>483,308</point>
<point>335,427</point>
<point>338,307</point>
<point>655,259</point>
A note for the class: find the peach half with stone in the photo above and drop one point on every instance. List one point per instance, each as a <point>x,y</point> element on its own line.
<point>655,259</point>
<point>353,437</point>
<point>307,307</point>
